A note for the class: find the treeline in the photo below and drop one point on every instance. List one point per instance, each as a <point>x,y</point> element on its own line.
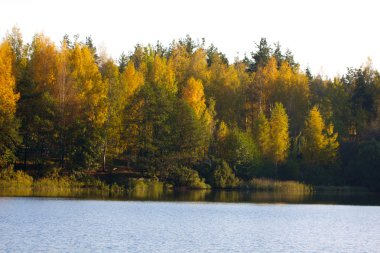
<point>185,114</point>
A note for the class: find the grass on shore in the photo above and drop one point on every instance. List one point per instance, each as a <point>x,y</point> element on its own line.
<point>54,182</point>
<point>269,185</point>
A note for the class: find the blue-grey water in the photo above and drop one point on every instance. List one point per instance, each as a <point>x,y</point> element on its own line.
<point>74,225</point>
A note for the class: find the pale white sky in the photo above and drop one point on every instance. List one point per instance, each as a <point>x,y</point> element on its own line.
<point>326,35</point>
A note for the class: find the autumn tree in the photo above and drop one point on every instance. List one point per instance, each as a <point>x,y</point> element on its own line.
<point>292,90</point>
<point>279,134</point>
<point>9,138</point>
<point>193,94</point>
<point>320,142</point>
<point>259,91</point>
<point>38,105</point>
<point>180,60</point>
<point>261,133</point>
<point>224,86</point>
<point>85,139</point>
<point>162,73</point>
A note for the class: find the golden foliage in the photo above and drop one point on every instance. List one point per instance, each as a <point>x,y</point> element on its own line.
<point>193,94</point>
<point>279,133</point>
<point>320,142</point>
<point>8,96</point>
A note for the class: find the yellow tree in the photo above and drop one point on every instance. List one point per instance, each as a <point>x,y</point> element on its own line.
<point>163,74</point>
<point>8,100</point>
<point>223,85</point>
<point>180,60</point>
<point>131,82</point>
<point>90,99</point>
<point>39,104</point>
<point>43,63</point>
<point>320,144</point>
<point>266,80</point>
<point>91,90</point>
<point>261,134</point>
<point>279,134</point>
<point>291,88</point>
<point>258,97</point>
<point>198,65</point>
<point>8,96</point>
<point>193,94</point>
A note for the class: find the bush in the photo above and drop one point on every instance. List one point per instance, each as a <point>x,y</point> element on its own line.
<point>224,177</point>
<point>11,178</point>
<point>364,169</point>
<point>240,151</point>
<point>183,176</point>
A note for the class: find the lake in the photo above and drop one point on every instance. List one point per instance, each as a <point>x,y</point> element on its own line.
<point>33,224</point>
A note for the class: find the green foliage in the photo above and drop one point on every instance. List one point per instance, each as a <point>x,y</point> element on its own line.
<point>184,177</point>
<point>182,107</point>
<point>364,166</point>
<point>164,131</point>
<point>241,152</point>
<point>224,177</point>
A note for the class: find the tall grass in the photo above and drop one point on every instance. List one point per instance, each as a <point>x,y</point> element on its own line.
<point>143,186</point>
<point>14,179</point>
<point>63,185</point>
<point>269,185</point>
<point>54,184</point>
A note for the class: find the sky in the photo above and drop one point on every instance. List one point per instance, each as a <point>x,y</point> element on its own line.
<point>325,35</point>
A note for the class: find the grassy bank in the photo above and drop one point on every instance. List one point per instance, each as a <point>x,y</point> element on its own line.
<point>56,184</point>
<point>269,185</point>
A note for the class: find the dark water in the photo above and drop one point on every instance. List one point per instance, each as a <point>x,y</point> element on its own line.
<point>79,225</point>
<point>160,194</point>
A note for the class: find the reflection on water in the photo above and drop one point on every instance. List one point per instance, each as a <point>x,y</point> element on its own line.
<point>160,193</point>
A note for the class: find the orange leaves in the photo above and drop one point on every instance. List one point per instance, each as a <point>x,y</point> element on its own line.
<point>131,80</point>
<point>162,74</point>
<point>43,62</point>
<point>91,91</point>
<point>8,97</point>
<point>193,94</point>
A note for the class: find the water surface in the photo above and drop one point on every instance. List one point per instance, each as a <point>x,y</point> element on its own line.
<point>77,225</point>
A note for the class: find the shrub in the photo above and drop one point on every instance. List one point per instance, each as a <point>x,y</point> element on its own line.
<point>224,177</point>
<point>11,178</point>
<point>183,176</point>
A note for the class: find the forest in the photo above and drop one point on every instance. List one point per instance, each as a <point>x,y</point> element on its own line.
<point>185,114</point>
